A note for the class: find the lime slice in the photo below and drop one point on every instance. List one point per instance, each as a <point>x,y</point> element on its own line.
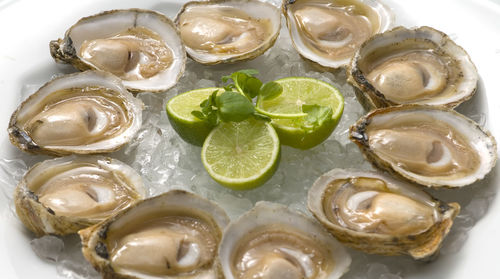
<point>287,107</point>
<point>241,155</point>
<point>179,108</point>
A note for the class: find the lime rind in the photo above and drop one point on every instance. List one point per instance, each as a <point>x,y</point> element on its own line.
<point>289,128</point>
<point>293,110</point>
<point>280,115</point>
<point>227,163</point>
<point>181,105</point>
<point>187,126</point>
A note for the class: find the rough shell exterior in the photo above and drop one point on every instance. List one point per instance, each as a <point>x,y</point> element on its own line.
<point>267,213</point>
<point>42,220</point>
<point>94,238</point>
<point>386,18</point>
<point>423,246</point>
<point>23,141</point>
<point>357,134</point>
<point>64,51</point>
<point>370,98</point>
<point>239,57</point>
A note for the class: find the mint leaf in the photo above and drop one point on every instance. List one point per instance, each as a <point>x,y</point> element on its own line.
<point>250,72</point>
<point>208,110</point>
<point>233,106</point>
<point>246,84</point>
<point>229,87</point>
<point>206,107</point>
<point>212,118</point>
<point>316,116</point>
<point>270,90</point>
<point>225,78</point>
<point>198,114</point>
<point>252,87</point>
<point>213,97</point>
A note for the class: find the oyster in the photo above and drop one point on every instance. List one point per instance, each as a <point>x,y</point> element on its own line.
<point>412,66</point>
<point>427,145</point>
<point>226,31</point>
<point>83,113</point>
<point>328,32</point>
<point>270,241</point>
<point>173,235</point>
<point>63,195</point>
<point>141,47</point>
<point>378,214</point>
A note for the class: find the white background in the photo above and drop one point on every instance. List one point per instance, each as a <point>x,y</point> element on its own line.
<point>26,27</point>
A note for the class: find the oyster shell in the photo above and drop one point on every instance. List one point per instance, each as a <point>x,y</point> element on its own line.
<point>270,241</point>
<point>173,235</point>
<point>141,47</point>
<point>376,213</point>
<point>226,31</point>
<point>427,145</point>
<point>63,195</point>
<point>328,32</point>
<point>412,66</point>
<point>82,113</point>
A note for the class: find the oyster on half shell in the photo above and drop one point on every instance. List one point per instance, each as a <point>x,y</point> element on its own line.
<point>271,241</point>
<point>412,66</point>
<point>63,195</point>
<point>376,213</point>
<point>141,47</point>
<point>226,31</point>
<point>83,113</point>
<point>173,235</point>
<point>328,32</point>
<point>426,145</point>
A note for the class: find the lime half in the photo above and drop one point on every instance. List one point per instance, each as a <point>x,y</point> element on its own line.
<point>241,155</point>
<point>179,108</point>
<point>286,109</point>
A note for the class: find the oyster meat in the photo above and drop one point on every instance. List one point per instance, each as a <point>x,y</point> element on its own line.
<point>229,30</point>
<point>427,145</point>
<point>141,47</point>
<point>376,213</point>
<point>271,241</point>
<point>83,113</point>
<point>63,195</point>
<point>412,66</point>
<point>329,32</point>
<point>173,235</point>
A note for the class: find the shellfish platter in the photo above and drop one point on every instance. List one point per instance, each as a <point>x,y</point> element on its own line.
<point>166,162</point>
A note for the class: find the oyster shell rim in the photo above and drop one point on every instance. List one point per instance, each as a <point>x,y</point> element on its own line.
<point>389,245</point>
<point>27,144</point>
<point>237,57</point>
<point>356,135</point>
<point>63,51</point>
<point>42,220</point>
<point>318,232</point>
<point>343,64</point>
<point>371,98</point>
<point>95,250</point>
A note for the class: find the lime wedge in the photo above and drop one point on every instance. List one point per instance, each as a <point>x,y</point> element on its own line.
<point>286,110</point>
<point>241,155</point>
<point>179,108</point>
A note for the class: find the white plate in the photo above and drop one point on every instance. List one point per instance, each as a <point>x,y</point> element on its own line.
<point>28,26</point>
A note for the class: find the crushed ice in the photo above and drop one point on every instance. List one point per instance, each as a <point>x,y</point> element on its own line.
<point>166,162</point>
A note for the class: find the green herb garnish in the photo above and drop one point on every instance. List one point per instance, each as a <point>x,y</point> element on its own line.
<point>237,106</point>
<point>316,116</point>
